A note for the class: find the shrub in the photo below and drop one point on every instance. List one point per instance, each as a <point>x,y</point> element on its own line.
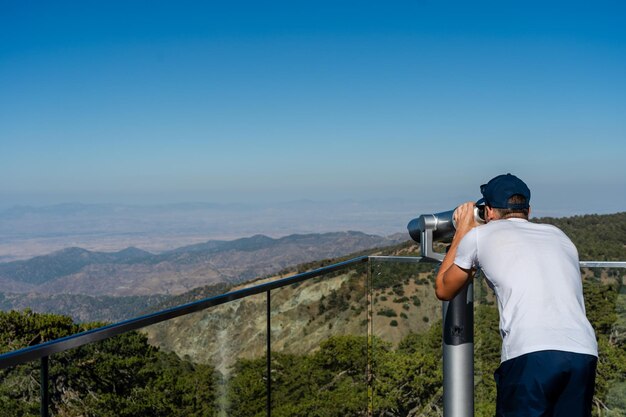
<point>387,312</point>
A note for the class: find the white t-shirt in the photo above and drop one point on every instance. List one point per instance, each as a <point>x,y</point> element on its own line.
<point>535,273</point>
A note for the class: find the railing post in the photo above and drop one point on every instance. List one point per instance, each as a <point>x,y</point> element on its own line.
<point>268,355</point>
<point>369,311</point>
<point>45,393</point>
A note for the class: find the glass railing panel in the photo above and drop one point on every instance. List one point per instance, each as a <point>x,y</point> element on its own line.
<point>124,376</point>
<point>20,386</point>
<point>120,376</point>
<point>213,362</point>
<point>406,338</point>
<point>20,390</point>
<point>319,346</point>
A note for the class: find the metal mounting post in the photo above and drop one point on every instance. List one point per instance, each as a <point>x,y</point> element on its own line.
<point>458,320</point>
<point>458,354</point>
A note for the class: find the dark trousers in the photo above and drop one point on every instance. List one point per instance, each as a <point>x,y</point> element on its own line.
<point>546,383</point>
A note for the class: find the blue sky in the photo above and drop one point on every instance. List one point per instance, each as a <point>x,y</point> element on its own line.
<point>155,102</point>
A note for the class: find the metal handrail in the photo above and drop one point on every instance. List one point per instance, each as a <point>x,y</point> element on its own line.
<point>602,264</point>
<point>46,349</point>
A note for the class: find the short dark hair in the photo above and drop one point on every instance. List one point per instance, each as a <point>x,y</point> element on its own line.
<point>507,212</point>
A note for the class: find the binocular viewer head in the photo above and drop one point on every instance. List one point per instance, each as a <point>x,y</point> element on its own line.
<point>440,227</point>
<point>441,224</point>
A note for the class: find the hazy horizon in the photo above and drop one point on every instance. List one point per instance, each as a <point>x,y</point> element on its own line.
<point>411,105</point>
<point>27,231</point>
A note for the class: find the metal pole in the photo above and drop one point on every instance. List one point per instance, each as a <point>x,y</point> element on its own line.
<point>45,394</point>
<point>268,382</point>
<point>458,354</point>
<point>458,339</point>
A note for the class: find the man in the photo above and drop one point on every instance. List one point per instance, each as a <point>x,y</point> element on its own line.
<point>549,349</point>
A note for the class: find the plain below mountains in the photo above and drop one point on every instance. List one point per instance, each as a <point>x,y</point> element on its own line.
<point>134,272</point>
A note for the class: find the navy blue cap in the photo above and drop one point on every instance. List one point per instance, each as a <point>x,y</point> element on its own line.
<point>498,190</point>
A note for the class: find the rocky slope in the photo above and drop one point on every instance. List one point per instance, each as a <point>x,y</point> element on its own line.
<point>390,302</point>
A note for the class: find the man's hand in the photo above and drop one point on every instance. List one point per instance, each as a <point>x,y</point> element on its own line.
<point>451,278</point>
<point>464,218</point>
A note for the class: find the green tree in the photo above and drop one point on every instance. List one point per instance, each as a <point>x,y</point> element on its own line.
<point>121,376</point>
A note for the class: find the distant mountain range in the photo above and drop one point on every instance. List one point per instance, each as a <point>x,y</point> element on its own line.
<point>111,286</point>
<point>134,272</point>
<point>27,231</point>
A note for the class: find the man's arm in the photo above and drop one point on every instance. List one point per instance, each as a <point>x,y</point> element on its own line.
<point>451,278</point>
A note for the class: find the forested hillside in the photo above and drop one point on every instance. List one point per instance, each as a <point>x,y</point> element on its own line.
<point>128,376</point>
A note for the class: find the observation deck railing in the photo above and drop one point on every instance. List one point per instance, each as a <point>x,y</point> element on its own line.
<point>360,337</point>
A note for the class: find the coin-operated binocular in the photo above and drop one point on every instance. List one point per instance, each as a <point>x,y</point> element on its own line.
<point>458,316</point>
<point>428,228</point>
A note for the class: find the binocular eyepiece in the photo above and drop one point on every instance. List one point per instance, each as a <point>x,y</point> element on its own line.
<point>441,227</point>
